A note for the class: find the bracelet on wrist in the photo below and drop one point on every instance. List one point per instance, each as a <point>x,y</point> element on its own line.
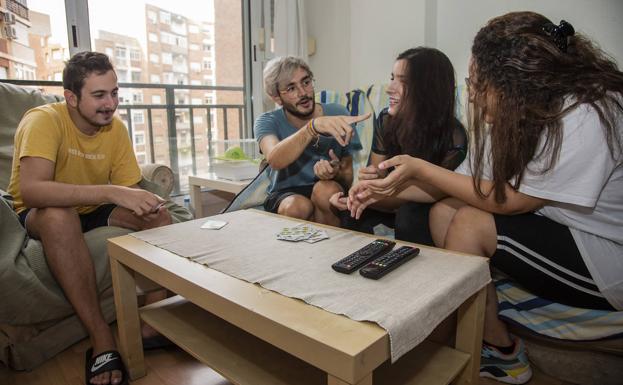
<point>312,131</point>
<point>313,126</point>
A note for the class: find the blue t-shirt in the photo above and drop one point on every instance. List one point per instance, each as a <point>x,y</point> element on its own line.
<point>301,171</point>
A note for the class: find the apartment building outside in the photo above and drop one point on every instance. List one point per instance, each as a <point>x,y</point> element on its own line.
<point>179,51</point>
<point>127,55</point>
<point>17,58</point>
<point>192,59</point>
<point>230,64</point>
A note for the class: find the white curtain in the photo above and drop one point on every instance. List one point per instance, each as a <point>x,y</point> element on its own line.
<point>290,28</point>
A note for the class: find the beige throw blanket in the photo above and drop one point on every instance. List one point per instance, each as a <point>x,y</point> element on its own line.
<point>408,302</point>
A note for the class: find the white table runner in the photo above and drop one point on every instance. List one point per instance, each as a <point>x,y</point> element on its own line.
<point>408,302</point>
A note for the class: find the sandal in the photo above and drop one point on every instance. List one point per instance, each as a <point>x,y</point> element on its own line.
<point>104,362</point>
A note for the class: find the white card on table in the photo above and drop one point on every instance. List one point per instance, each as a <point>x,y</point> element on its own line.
<point>212,224</point>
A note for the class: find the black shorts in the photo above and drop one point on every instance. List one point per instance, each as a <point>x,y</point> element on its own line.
<point>369,219</point>
<point>94,219</point>
<point>272,202</point>
<point>541,255</point>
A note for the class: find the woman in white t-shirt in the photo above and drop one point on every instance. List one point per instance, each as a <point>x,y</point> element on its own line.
<point>541,192</point>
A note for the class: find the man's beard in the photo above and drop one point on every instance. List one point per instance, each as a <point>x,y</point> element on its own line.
<point>91,121</point>
<point>291,108</point>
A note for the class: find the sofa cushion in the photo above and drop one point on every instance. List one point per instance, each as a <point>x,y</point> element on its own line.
<point>14,102</point>
<point>26,347</point>
<point>554,320</point>
<point>580,346</point>
<point>24,272</point>
<point>36,320</point>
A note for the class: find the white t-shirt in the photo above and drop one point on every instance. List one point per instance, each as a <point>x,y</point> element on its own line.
<point>585,188</point>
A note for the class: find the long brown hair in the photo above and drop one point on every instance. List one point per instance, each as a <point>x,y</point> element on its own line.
<point>524,80</point>
<point>424,125</point>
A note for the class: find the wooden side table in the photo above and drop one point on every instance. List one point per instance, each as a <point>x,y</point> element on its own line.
<point>195,182</point>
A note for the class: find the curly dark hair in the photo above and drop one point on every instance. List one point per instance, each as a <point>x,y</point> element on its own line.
<point>424,125</point>
<point>522,84</point>
<point>80,66</point>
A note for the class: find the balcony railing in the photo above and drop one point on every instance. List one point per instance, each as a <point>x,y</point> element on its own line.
<point>180,126</point>
<point>17,8</point>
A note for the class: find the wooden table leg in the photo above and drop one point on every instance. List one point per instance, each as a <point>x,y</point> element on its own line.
<point>469,329</point>
<point>367,380</point>
<point>128,324</point>
<point>195,200</point>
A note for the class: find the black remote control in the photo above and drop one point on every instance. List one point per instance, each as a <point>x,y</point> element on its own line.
<point>360,257</point>
<point>388,262</point>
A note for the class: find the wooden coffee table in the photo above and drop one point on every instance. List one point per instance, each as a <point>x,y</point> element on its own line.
<point>252,335</point>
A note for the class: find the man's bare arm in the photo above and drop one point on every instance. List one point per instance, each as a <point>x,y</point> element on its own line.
<point>38,190</point>
<point>280,154</point>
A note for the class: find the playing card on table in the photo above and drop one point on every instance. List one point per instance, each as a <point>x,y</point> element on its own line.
<point>317,236</point>
<point>213,224</point>
<point>297,233</point>
<point>287,235</point>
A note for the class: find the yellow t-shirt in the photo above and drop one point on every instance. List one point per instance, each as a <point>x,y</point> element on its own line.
<point>104,158</point>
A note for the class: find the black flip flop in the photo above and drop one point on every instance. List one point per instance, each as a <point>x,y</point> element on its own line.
<point>104,362</point>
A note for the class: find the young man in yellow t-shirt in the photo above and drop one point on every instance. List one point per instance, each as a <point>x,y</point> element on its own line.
<point>74,169</point>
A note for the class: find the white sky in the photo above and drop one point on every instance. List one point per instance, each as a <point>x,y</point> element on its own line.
<point>126,17</point>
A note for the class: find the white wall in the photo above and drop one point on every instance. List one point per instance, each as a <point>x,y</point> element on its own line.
<point>398,25</point>
<point>458,22</point>
<point>328,21</point>
<point>357,40</point>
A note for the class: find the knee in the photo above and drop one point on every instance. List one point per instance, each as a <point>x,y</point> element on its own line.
<point>440,216</point>
<point>323,190</point>
<point>441,211</point>
<point>301,208</point>
<point>53,222</point>
<point>162,219</point>
<point>474,230</point>
<point>465,219</point>
<point>56,215</point>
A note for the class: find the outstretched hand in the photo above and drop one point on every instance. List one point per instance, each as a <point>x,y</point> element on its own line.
<point>404,169</point>
<point>327,169</point>
<point>140,202</point>
<point>369,172</point>
<point>360,197</point>
<point>339,201</point>
<point>338,127</point>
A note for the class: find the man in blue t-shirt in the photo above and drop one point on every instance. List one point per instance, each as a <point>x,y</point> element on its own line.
<point>306,144</point>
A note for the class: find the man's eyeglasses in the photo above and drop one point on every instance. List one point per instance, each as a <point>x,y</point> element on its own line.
<point>291,90</point>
